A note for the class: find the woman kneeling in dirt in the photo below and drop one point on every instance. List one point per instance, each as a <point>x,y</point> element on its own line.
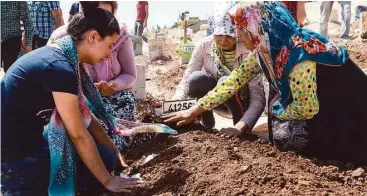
<point>211,63</point>
<point>52,77</point>
<point>115,75</point>
<point>319,104</point>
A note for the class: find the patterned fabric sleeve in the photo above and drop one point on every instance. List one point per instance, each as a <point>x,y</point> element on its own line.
<point>26,19</point>
<point>305,105</point>
<point>238,78</point>
<point>53,5</point>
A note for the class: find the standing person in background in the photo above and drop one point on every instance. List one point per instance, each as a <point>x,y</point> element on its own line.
<point>12,13</point>
<point>141,17</point>
<point>358,10</point>
<point>326,7</point>
<point>73,10</point>
<point>46,17</point>
<point>297,9</point>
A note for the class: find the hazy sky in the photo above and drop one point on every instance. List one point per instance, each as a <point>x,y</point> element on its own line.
<point>160,12</point>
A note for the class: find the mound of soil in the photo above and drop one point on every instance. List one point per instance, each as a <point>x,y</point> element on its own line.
<point>201,163</point>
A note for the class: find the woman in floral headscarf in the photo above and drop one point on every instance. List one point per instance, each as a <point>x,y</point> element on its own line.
<point>319,101</point>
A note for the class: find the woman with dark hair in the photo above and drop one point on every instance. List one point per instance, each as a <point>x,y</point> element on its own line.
<point>319,96</point>
<point>50,86</point>
<point>114,76</point>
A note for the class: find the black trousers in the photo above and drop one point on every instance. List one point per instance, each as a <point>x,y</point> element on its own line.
<point>38,42</point>
<point>339,130</point>
<point>10,49</point>
<point>139,28</point>
<point>199,84</point>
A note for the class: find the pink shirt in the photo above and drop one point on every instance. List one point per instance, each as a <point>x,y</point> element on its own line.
<point>120,67</point>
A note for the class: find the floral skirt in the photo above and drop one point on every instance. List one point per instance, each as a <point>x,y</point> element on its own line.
<point>121,105</point>
<point>339,130</point>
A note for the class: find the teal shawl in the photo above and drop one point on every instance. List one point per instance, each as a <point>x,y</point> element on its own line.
<point>62,152</point>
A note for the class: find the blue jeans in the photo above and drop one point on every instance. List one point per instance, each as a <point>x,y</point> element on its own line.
<point>30,176</point>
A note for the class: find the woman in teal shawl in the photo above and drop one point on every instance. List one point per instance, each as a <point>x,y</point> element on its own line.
<point>53,76</point>
<point>318,100</point>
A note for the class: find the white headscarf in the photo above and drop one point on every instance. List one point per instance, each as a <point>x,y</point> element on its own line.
<point>222,24</point>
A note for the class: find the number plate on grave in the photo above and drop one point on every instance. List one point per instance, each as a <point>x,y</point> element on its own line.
<point>188,48</point>
<point>178,105</point>
<point>159,36</point>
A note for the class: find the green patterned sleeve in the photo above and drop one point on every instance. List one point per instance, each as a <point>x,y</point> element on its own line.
<point>305,105</point>
<point>225,90</point>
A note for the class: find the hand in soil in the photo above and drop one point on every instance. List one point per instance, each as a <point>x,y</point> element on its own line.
<point>117,184</point>
<point>230,132</point>
<point>182,118</point>
<point>120,158</point>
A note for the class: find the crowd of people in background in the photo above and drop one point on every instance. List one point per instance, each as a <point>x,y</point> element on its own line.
<point>62,100</point>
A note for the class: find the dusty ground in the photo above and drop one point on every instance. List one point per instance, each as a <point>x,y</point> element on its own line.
<point>197,162</point>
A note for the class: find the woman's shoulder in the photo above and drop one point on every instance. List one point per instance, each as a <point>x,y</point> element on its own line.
<point>205,44</point>
<point>58,33</point>
<point>124,36</point>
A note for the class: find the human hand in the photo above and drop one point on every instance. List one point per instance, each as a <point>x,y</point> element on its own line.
<point>120,158</point>
<point>27,49</point>
<point>117,184</point>
<point>183,117</point>
<point>106,89</point>
<point>145,24</point>
<point>98,86</point>
<point>113,85</point>
<point>233,132</point>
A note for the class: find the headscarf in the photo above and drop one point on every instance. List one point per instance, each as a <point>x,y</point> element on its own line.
<point>222,24</point>
<point>281,43</point>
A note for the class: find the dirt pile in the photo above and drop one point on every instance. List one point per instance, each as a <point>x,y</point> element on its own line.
<point>200,163</point>
<point>357,50</point>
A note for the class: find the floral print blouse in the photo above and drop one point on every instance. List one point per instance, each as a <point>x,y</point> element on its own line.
<point>302,80</point>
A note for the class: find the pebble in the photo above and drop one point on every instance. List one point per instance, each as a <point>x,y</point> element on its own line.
<point>246,168</point>
<point>271,153</point>
<point>358,173</point>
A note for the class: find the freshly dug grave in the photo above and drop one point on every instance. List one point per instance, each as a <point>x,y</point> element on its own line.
<point>201,163</point>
